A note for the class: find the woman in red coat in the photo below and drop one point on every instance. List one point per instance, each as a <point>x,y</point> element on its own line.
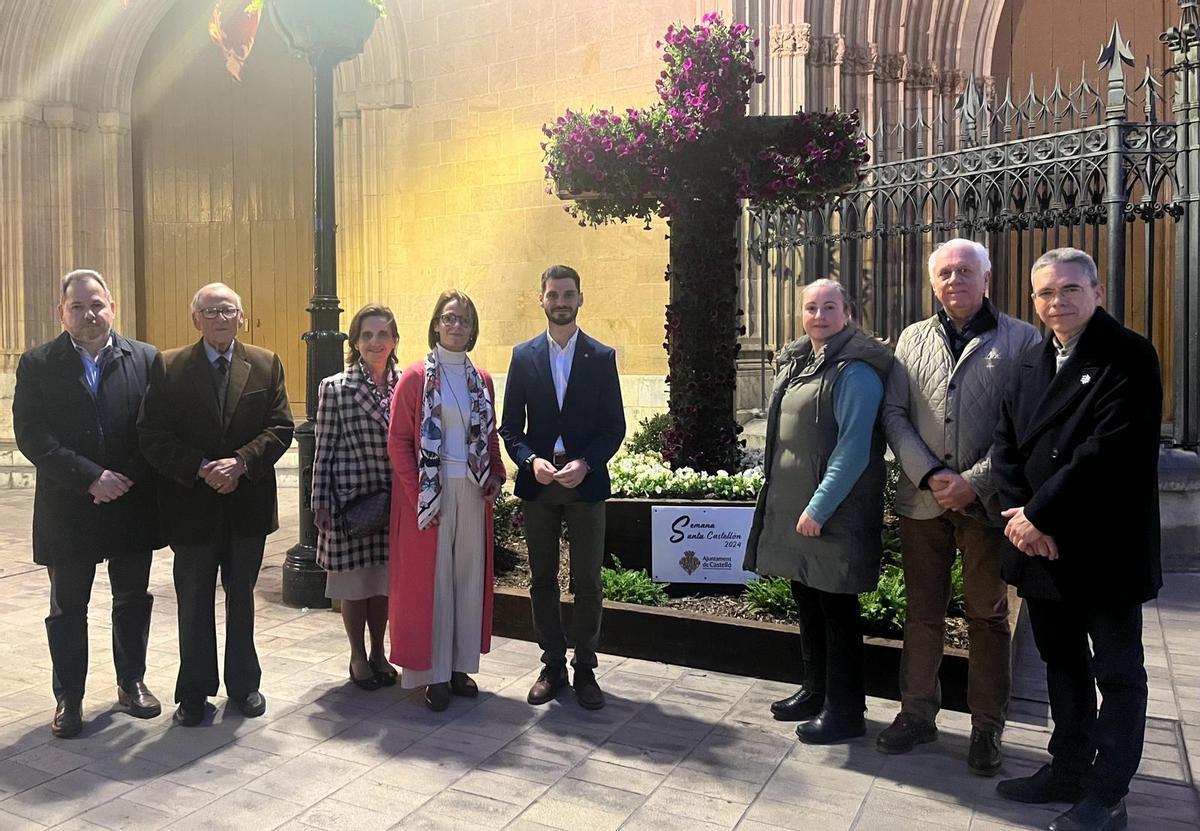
<point>445,455</point>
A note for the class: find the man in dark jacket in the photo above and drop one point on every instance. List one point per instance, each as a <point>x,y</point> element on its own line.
<point>214,423</point>
<point>1075,461</point>
<point>563,420</point>
<point>75,414</point>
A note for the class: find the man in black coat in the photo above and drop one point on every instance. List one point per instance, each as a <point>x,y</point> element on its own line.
<point>75,413</point>
<point>1075,460</point>
<point>563,420</point>
<point>214,423</point>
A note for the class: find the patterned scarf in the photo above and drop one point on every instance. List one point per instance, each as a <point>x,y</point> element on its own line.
<point>382,396</point>
<point>482,422</point>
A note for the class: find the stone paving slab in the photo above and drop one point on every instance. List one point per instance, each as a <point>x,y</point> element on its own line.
<point>675,747</point>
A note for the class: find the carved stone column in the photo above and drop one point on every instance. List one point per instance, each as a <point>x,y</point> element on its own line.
<point>116,150</point>
<point>891,74</point>
<point>828,52</point>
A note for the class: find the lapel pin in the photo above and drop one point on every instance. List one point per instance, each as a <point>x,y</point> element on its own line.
<point>1085,378</point>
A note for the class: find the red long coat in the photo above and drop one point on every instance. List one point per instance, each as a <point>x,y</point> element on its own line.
<point>413,551</point>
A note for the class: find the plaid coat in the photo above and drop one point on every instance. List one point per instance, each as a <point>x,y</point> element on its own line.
<point>351,460</point>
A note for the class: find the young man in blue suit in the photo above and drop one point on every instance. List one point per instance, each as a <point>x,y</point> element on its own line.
<point>563,420</point>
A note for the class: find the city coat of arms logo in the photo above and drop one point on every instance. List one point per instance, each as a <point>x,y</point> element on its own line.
<point>689,562</point>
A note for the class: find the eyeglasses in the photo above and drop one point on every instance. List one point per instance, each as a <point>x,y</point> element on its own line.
<point>213,312</point>
<point>451,319</point>
<point>1071,292</point>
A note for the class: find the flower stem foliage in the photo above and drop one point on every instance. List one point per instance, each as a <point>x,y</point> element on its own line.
<point>690,158</point>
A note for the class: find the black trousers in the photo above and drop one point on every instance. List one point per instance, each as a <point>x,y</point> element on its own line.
<point>831,647</point>
<point>544,517</point>
<point>1102,749</point>
<point>66,625</point>
<point>196,568</point>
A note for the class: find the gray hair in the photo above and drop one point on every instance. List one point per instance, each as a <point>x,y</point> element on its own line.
<point>196,297</point>
<point>828,283</point>
<point>80,275</point>
<point>985,259</point>
<point>1055,256</point>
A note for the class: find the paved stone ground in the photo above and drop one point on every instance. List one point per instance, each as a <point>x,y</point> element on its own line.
<point>674,748</point>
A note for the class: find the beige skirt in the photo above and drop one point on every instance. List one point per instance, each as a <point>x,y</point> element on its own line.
<point>357,583</point>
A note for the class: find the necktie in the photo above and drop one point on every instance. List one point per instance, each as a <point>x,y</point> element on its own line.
<point>221,365</point>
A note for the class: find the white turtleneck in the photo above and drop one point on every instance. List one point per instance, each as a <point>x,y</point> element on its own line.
<point>456,412</point>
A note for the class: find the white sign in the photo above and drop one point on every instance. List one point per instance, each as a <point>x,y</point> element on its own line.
<point>690,544</point>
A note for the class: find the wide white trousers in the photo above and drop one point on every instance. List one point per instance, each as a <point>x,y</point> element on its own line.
<point>457,586</point>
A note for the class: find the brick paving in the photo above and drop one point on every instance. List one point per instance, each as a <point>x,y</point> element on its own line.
<point>675,747</point>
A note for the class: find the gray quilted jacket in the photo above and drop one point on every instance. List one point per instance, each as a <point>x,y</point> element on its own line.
<point>938,413</point>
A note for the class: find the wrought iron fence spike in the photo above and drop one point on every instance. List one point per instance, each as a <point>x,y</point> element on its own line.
<point>1114,57</point>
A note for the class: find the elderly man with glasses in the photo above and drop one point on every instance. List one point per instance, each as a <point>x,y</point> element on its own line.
<point>941,406</point>
<point>1075,461</point>
<point>214,423</point>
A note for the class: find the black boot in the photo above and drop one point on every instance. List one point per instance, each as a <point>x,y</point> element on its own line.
<point>833,725</point>
<point>799,706</point>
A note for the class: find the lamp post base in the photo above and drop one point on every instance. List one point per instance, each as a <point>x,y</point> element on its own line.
<point>303,579</point>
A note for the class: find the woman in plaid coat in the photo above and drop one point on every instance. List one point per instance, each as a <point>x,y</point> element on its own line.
<point>352,462</point>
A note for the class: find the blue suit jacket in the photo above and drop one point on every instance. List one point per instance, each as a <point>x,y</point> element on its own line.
<point>591,422</point>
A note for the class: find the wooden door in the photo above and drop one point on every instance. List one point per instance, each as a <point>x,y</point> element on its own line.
<point>223,186</point>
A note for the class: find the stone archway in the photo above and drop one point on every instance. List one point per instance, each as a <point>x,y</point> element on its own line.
<point>67,71</point>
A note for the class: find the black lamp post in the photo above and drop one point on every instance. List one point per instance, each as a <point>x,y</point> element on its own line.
<point>324,33</point>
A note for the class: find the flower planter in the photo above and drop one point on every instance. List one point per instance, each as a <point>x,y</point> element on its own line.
<point>738,647</point>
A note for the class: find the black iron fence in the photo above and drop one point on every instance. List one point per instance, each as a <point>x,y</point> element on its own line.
<point>1021,173</point>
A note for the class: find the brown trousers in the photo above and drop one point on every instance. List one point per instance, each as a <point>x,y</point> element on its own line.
<point>929,547</point>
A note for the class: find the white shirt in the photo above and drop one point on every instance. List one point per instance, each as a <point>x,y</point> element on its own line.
<point>561,359</point>
<point>456,412</point>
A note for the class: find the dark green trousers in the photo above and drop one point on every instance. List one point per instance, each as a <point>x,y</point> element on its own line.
<point>544,518</point>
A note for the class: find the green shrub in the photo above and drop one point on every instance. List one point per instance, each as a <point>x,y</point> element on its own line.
<point>626,585</point>
<point>648,438</point>
<point>507,520</point>
<point>771,596</point>
<point>884,609</point>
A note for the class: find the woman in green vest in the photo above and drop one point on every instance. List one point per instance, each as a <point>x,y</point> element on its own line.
<point>820,513</point>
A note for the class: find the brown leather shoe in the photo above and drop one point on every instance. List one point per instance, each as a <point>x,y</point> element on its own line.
<point>68,718</point>
<point>590,696</point>
<point>551,680</point>
<point>138,700</point>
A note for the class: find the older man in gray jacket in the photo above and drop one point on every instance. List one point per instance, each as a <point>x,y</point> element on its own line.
<point>940,409</point>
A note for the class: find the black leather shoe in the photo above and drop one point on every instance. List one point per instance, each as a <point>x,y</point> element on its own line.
<point>1040,788</point>
<point>590,696</point>
<point>138,700</point>
<point>462,684</point>
<point>387,677</point>
<point>68,718</point>
<point>832,726</point>
<point>547,685</point>
<point>252,704</point>
<point>799,706</point>
<point>1090,814</point>
<point>984,756</point>
<point>370,683</point>
<point>905,733</point>
<point>437,697</point>
<point>190,712</point>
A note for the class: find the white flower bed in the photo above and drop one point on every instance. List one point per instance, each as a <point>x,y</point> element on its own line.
<point>647,475</point>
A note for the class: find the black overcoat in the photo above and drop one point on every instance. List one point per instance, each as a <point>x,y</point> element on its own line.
<point>1079,449</point>
<point>71,438</point>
